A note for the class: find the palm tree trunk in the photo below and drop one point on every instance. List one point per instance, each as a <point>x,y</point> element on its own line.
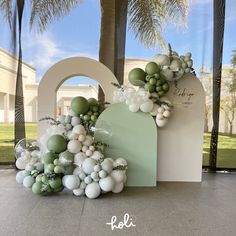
<point>19,98</point>
<point>219,21</point>
<point>112,37</point>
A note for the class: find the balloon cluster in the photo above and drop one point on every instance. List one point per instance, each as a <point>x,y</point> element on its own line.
<point>142,100</point>
<point>70,157</point>
<point>162,112</point>
<point>173,67</point>
<point>151,79</point>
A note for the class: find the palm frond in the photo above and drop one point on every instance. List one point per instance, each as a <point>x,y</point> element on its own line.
<point>6,8</point>
<point>43,12</point>
<point>147,18</point>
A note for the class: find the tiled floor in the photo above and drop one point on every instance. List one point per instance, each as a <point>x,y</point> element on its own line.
<point>207,208</point>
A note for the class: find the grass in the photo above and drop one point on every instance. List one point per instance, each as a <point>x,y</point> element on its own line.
<point>226,157</point>
<point>7,140</point>
<point>226,147</point>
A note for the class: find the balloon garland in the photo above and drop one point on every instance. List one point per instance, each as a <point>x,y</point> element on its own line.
<point>153,84</point>
<point>68,156</point>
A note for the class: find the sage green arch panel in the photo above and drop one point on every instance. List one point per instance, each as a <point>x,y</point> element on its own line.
<point>134,137</point>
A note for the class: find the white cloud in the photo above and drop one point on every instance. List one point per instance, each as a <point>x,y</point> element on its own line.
<point>43,50</point>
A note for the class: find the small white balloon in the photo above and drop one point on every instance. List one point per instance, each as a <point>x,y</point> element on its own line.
<point>97,155</point>
<point>134,107</point>
<point>78,192</point>
<point>166,114</point>
<point>107,165</point>
<point>82,138</point>
<point>121,161</point>
<point>89,153</point>
<point>88,141</point>
<point>84,148</point>
<point>102,174</point>
<point>154,110</point>
<point>79,158</point>
<point>159,116</point>
<point>72,182</point>
<point>161,123</point>
<point>79,129</point>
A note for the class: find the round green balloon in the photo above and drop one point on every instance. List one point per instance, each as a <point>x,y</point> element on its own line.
<point>55,183</point>
<point>36,188</point>
<point>137,77</point>
<point>48,157</point>
<point>165,87</point>
<point>152,68</point>
<point>80,105</point>
<point>57,143</point>
<point>92,101</point>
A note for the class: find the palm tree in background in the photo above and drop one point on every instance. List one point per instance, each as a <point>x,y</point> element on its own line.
<point>13,11</point>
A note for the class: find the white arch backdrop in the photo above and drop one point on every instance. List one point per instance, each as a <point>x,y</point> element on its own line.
<point>61,71</point>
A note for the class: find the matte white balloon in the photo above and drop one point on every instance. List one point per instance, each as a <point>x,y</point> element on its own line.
<point>166,114</point>
<point>79,158</point>
<point>159,116</point>
<point>107,165</point>
<point>107,183</point>
<point>154,111</point>
<point>134,107</point>
<point>88,165</point>
<point>72,182</point>
<point>118,187</point>
<point>147,106</point>
<point>121,161</point>
<point>74,146</point>
<point>161,123</point>
<point>93,190</point>
<point>28,181</point>
<point>75,120</point>
<point>118,175</point>
<point>78,192</point>
<point>79,129</point>
<point>97,155</point>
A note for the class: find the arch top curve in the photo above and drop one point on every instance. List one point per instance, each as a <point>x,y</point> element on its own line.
<point>61,71</point>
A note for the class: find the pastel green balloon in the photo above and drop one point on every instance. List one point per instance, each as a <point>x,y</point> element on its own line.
<point>92,101</point>
<point>79,105</point>
<point>36,188</point>
<point>55,183</point>
<point>152,68</point>
<point>48,157</point>
<point>66,158</point>
<point>137,77</point>
<point>57,143</point>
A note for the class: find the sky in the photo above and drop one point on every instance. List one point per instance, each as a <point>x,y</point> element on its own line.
<point>77,34</point>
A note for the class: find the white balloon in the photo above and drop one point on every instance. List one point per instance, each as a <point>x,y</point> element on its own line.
<point>88,180</point>
<point>29,167</point>
<point>82,185</point>
<point>166,114</point>
<point>97,155</point>
<point>92,148</point>
<point>78,192</point>
<point>118,175</point>
<point>75,120</point>
<point>79,129</point>
<point>118,187</point>
<point>77,171</point>
<point>161,123</point>
<point>88,141</point>
<point>154,111</point>
<point>21,163</point>
<point>74,146</point>
<point>88,165</point>
<point>28,181</point>
<point>97,168</point>
<point>107,165</point>
<point>20,177</point>
<point>147,106</point>
<point>84,148</point>
<point>93,190</point>
<point>121,161</point>
<point>79,158</point>
<point>107,183</point>
<point>162,60</point>
<point>64,179</point>
<point>89,153</point>
<point>82,138</point>
<point>159,116</point>
<point>134,107</point>
<point>161,109</point>
<point>39,166</point>
<point>72,136</point>
<point>102,174</point>
<point>72,182</point>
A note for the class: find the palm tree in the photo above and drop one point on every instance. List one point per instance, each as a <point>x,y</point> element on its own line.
<point>145,18</point>
<point>13,11</point>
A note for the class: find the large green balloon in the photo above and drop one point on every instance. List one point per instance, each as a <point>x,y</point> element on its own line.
<point>137,77</point>
<point>57,143</point>
<point>36,188</point>
<point>66,158</point>
<point>152,68</point>
<point>80,105</point>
